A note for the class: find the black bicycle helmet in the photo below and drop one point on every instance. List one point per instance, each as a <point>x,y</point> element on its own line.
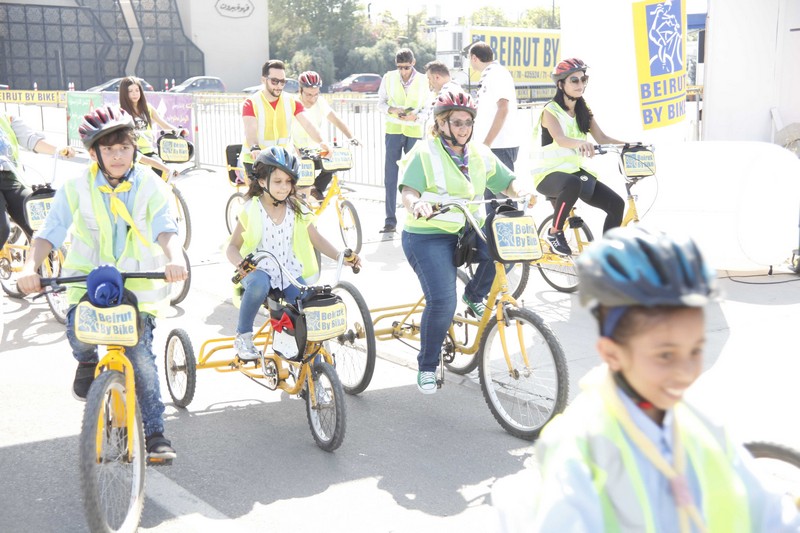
<point>634,266</point>
<point>309,78</point>
<point>567,67</point>
<point>278,157</point>
<point>101,122</point>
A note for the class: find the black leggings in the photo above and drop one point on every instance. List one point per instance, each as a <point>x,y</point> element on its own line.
<point>12,199</point>
<point>567,188</point>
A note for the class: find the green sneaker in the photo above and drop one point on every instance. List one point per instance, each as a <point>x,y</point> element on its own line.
<point>477,307</point>
<point>426,382</point>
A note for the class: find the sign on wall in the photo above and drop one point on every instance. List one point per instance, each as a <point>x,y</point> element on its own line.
<point>659,32</point>
<point>79,104</point>
<point>529,56</point>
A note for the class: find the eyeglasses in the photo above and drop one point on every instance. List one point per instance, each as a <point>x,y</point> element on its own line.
<point>458,124</point>
<point>277,81</point>
<point>574,80</point>
<point>404,67</point>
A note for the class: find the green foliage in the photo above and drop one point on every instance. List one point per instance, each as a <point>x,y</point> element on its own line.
<point>489,16</point>
<point>541,17</point>
<point>318,59</point>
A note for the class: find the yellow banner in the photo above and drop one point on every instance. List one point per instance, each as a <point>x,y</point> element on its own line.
<point>659,31</point>
<point>34,97</point>
<point>530,56</point>
<point>114,325</point>
<point>306,174</point>
<point>516,238</point>
<point>324,323</point>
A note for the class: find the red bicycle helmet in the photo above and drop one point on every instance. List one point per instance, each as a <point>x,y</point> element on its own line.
<point>567,67</point>
<point>310,78</point>
<point>457,101</point>
<point>101,122</point>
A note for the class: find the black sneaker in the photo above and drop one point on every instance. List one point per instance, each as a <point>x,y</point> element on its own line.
<point>558,243</point>
<point>388,228</point>
<point>84,376</point>
<point>159,449</point>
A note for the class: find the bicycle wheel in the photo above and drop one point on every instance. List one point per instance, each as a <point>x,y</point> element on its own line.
<point>350,226</point>
<point>179,289</point>
<point>51,268</point>
<point>354,351</point>
<point>779,465</point>
<point>112,477</point>
<point>183,219</point>
<point>455,361</point>
<point>517,277</point>
<point>12,260</point>
<point>326,412</point>
<point>180,366</point>
<point>232,210</point>
<point>563,276</point>
<point>526,396</point>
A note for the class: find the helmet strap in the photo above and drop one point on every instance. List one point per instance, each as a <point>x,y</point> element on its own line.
<point>452,139</point>
<point>275,201</point>
<point>626,387</point>
<point>102,167</point>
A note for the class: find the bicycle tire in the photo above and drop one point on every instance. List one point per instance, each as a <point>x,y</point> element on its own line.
<point>547,378</point>
<point>113,487</point>
<point>180,289</point>
<point>184,220</point>
<point>779,466</point>
<point>327,419</point>
<point>564,278</point>
<point>349,226</point>
<point>57,301</point>
<point>232,209</point>
<point>354,352</point>
<point>180,366</point>
<point>462,363</point>
<point>517,277</point>
<point>11,267</point>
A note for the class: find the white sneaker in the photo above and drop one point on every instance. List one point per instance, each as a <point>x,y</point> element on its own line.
<point>245,349</point>
<point>426,382</point>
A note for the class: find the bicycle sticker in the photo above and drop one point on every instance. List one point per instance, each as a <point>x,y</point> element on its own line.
<point>306,175</point>
<point>516,239</point>
<point>638,163</point>
<point>325,322</point>
<point>36,211</point>
<point>174,150</point>
<point>113,325</point>
<point>340,158</point>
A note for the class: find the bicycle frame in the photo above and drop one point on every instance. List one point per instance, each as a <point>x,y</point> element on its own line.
<point>121,415</point>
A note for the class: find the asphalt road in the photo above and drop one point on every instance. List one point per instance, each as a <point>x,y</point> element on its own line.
<point>247,460</point>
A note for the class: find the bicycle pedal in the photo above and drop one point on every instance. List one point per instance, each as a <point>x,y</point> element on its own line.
<point>155,461</point>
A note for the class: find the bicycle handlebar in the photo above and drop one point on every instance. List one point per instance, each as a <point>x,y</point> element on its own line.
<point>444,207</point>
<point>55,285</point>
<point>250,263</point>
<point>605,148</point>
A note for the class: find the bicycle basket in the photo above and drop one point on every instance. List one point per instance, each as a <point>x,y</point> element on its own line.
<point>637,162</point>
<point>339,158</point>
<point>306,173</point>
<point>511,236</point>
<point>37,205</point>
<point>288,330</point>
<point>174,149</point>
<point>325,313</point>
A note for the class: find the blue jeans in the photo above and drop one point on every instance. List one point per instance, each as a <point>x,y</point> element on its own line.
<point>431,257</point>
<point>508,157</point>
<point>397,144</point>
<point>143,360</point>
<point>256,287</point>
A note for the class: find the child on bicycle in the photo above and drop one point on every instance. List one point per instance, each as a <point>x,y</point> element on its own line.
<point>118,214</point>
<point>629,454</point>
<point>274,220</point>
<point>15,133</point>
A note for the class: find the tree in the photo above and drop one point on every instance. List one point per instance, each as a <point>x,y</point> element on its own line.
<point>318,59</point>
<point>489,16</point>
<point>541,17</point>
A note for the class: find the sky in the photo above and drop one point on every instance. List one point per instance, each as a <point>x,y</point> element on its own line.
<point>451,9</point>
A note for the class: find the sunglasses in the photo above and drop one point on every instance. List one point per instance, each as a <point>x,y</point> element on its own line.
<point>458,124</point>
<point>574,80</point>
<point>277,81</point>
<point>404,67</point>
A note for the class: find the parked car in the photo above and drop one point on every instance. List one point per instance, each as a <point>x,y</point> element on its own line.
<point>359,83</point>
<point>291,87</point>
<point>112,86</point>
<point>200,84</point>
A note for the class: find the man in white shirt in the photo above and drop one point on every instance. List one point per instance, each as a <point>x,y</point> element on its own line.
<point>439,80</point>
<point>317,110</point>
<point>496,123</point>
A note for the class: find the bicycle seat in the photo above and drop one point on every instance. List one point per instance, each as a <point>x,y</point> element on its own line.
<point>232,152</point>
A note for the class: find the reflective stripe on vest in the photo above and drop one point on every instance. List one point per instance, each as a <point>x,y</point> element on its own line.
<point>415,97</point>
<point>555,158</point>
<point>92,237</point>
<point>618,482</point>
<point>250,217</point>
<point>5,124</point>
<point>445,182</point>
<point>273,126</point>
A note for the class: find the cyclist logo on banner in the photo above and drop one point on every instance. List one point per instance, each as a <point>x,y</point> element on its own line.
<point>666,51</point>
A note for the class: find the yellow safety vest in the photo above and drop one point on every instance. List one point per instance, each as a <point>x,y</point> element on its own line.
<point>250,218</point>
<point>445,182</point>
<point>274,125</point>
<point>93,237</point>
<point>554,158</point>
<point>603,447</point>
<point>415,97</point>
<point>5,124</point>
<point>145,139</point>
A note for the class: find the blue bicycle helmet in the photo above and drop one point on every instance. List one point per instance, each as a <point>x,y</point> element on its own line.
<point>278,157</point>
<point>634,266</point>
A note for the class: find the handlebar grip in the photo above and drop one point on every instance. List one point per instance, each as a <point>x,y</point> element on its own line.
<point>347,254</point>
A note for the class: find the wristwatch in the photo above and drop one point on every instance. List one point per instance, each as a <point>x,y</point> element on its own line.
<point>255,147</point>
